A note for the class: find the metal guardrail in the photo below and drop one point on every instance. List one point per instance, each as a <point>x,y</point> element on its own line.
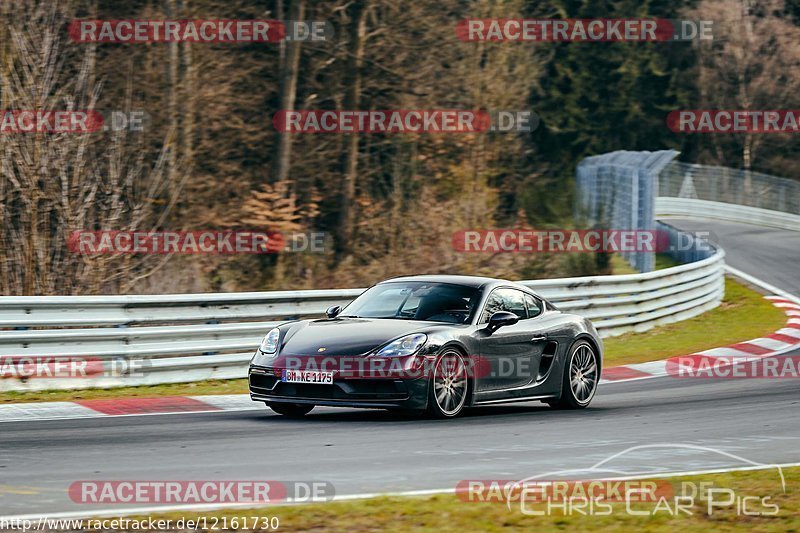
<point>192,337</point>
<point>729,186</point>
<point>687,207</point>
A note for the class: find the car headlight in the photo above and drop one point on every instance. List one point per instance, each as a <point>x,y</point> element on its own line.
<point>407,345</point>
<point>270,342</point>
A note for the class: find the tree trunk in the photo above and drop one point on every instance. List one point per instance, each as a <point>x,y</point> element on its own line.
<point>190,95</point>
<point>174,84</point>
<point>352,101</point>
<point>290,65</point>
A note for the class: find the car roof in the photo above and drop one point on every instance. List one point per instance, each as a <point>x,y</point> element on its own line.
<point>469,281</point>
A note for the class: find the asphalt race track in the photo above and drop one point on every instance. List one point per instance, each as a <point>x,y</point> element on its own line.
<point>376,451</point>
<point>766,253</point>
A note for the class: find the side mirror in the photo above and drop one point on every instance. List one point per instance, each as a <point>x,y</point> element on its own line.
<point>333,311</point>
<point>500,319</point>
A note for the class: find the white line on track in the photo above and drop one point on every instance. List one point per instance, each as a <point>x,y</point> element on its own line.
<point>101,416</point>
<point>127,511</point>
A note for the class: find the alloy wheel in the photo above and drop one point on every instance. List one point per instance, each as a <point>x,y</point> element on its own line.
<point>450,384</point>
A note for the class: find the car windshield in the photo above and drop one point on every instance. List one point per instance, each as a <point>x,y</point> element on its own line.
<point>416,300</point>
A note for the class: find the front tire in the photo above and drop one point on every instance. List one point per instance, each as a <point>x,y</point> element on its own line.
<point>449,386</point>
<point>292,410</point>
<point>580,377</point>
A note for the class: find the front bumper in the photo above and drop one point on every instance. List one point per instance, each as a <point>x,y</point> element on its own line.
<point>266,386</point>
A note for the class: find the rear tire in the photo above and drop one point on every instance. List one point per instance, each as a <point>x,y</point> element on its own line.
<point>449,386</point>
<point>292,410</point>
<point>580,377</point>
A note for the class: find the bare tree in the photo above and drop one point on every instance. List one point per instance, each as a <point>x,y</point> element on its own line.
<point>52,184</point>
<point>750,64</point>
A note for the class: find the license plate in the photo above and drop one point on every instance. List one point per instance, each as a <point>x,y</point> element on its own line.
<point>307,376</point>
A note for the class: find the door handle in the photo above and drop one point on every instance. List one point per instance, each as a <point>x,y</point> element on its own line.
<point>538,338</point>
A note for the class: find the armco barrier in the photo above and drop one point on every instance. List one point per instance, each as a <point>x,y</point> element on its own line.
<point>192,337</point>
<point>688,207</point>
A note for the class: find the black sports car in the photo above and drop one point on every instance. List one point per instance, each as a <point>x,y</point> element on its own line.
<point>430,344</point>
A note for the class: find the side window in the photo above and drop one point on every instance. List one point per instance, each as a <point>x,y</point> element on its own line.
<point>534,306</point>
<point>505,300</point>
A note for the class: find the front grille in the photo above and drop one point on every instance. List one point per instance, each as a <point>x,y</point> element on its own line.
<point>262,383</point>
<point>265,381</point>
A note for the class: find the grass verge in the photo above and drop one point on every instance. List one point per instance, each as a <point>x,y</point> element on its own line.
<point>229,386</point>
<point>444,513</point>
<point>744,314</point>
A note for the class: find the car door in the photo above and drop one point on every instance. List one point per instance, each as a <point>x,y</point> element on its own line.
<point>511,353</point>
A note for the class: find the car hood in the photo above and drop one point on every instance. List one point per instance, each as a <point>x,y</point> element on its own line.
<point>345,336</point>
